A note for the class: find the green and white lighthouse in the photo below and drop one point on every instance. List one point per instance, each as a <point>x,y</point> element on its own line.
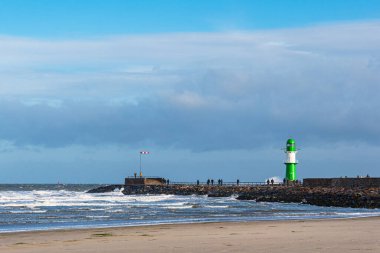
<point>291,161</point>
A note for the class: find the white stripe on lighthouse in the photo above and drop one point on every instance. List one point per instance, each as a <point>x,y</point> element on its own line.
<point>291,157</point>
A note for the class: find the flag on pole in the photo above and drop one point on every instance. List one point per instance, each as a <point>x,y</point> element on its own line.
<point>144,152</point>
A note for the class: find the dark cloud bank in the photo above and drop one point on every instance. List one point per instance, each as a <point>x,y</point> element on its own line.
<point>199,91</point>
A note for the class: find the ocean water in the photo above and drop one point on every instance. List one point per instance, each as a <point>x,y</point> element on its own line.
<point>47,207</point>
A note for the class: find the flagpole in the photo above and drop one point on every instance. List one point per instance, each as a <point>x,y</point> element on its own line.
<point>142,153</point>
<point>140,164</point>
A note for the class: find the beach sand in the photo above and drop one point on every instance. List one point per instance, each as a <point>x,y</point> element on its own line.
<point>339,235</point>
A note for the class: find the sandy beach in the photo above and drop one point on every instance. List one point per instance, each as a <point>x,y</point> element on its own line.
<point>342,235</point>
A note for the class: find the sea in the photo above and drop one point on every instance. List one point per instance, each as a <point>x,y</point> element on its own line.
<point>33,207</point>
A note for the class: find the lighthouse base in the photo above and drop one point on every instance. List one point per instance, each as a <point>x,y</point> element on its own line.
<point>291,171</point>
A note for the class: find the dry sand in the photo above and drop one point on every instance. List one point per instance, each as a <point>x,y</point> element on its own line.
<point>344,235</point>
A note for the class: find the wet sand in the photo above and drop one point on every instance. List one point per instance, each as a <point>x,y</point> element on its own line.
<point>342,235</point>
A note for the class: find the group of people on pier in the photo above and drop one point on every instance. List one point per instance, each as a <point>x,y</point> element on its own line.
<point>211,181</point>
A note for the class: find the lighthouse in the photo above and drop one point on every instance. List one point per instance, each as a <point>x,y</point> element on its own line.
<point>291,161</point>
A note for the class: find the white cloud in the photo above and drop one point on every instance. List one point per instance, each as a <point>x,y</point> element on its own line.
<point>189,99</point>
<point>55,103</point>
<point>6,146</point>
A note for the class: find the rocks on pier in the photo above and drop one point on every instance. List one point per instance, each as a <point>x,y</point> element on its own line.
<point>321,196</point>
<point>107,188</point>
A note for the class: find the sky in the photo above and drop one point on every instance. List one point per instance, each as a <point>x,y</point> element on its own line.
<point>213,89</point>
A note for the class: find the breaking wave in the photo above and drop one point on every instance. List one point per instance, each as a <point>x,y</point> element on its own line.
<point>26,208</point>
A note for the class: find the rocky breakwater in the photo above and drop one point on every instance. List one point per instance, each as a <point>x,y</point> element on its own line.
<point>106,188</point>
<point>211,191</point>
<point>321,196</point>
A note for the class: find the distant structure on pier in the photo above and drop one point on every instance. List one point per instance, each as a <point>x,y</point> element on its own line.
<point>291,161</point>
<point>145,181</point>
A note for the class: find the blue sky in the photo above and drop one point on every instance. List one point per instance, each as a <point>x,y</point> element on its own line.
<point>212,88</point>
<point>71,18</point>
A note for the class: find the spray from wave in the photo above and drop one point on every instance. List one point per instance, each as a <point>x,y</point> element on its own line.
<point>276,179</point>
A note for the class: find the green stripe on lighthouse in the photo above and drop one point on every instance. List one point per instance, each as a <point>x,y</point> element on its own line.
<point>291,171</point>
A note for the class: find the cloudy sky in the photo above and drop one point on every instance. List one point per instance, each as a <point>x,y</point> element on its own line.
<point>211,88</point>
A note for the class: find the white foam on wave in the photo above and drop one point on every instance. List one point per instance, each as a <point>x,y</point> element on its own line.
<point>64,198</point>
<point>115,211</point>
<point>216,206</point>
<point>97,216</point>
<point>360,214</point>
<point>28,211</point>
<point>178,207</point>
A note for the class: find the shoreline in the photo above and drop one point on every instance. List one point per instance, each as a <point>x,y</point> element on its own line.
<point>318,235</point>
<point>185,223</point>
